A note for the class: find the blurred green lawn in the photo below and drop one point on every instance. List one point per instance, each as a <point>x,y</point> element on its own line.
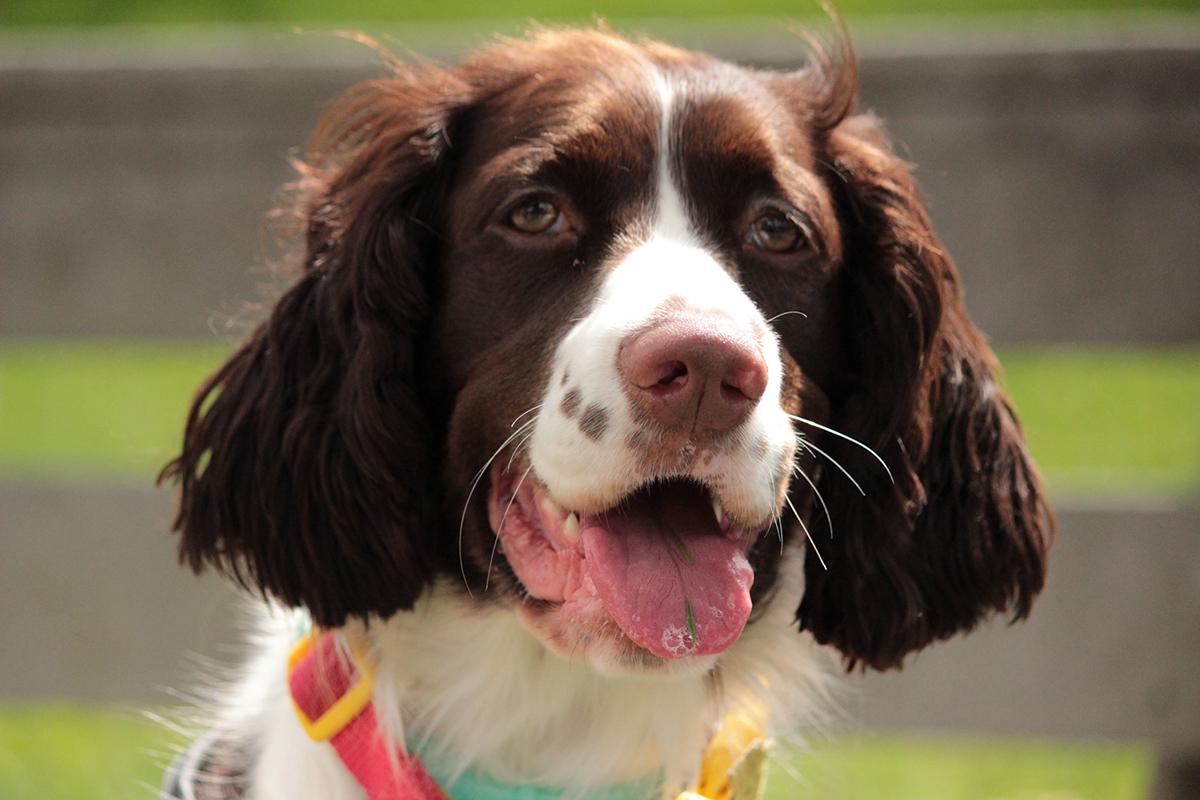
<point>1101,421</point>
<point>61,751</point>
<point>98,12</point>
<point>1115,422</point>
<point>76,752</point>
<point>103,410</point>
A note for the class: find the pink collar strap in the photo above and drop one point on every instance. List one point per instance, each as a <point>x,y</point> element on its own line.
<point>332,695</point>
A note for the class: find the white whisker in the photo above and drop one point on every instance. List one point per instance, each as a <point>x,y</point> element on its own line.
<point>832,460</point>
<point>487,581</point>
<point>777,524</point>
<point>517,450</point>
<point>806,533</point>
<point>471,492</point>
<point>523,413</point>
<point>784,314</point>
<point>817,492</point>
<point>850,439</point>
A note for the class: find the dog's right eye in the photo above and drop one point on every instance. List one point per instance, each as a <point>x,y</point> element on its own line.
<point>776,233</point>
<point>534,216</point>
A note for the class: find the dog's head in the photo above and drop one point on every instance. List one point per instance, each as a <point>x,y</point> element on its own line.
<point>598,330</point>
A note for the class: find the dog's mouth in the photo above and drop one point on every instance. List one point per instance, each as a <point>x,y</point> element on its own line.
<point>666,563</point>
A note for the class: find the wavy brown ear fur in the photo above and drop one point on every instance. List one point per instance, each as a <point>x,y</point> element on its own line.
<point>963,529</point>
<point>306,463</point>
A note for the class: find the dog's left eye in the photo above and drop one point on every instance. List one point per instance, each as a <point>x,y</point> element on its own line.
<point>534,216</point>
<point>776,233</point>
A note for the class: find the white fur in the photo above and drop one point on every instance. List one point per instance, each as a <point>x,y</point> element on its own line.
<point>671,219</point>
<point>467,681</point>
<point>588,475</point>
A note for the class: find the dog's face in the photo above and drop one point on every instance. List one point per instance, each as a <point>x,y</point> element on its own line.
<point>610,258</point>
<point>599,331</point>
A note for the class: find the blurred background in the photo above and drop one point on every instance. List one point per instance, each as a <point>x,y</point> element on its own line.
<point>1058,146</point>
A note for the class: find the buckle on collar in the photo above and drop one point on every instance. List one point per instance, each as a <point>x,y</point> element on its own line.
<point>735,762</point>
<point>347,707</point>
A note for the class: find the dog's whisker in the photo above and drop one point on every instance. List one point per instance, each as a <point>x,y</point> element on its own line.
<point>806,533</point>
<point>804,443</point>
<point>784,314</point>
<point>523,413</point>
<point>820,499</point>
<point>850,439</point>
<point>487,581</point>
<point>516,451</point>
<point>462,521</point>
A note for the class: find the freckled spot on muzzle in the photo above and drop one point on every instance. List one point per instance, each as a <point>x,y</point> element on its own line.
<point>594,422</point>
<point>570,403</point>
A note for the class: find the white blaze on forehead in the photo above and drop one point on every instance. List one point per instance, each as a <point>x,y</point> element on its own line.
<point>673,263</point>
<point>670,213</point>
<point>665,268</point>
<point>673,268</point>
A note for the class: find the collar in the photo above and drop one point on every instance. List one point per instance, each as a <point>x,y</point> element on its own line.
<point>332,687</point>
<point>475,785</point>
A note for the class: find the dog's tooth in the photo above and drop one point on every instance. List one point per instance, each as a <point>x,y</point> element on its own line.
<point>720,512</point>
<point>551,508</point>
<point>570,528</point>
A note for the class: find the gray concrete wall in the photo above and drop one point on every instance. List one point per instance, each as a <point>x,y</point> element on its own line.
<point>92,591</point>
<point>1065,183</point>
<point>1112,647</point>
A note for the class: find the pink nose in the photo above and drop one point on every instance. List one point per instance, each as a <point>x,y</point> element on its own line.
<point>692,372</point>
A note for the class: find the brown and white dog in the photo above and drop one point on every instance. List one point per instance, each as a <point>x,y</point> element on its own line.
<point>617,380</point>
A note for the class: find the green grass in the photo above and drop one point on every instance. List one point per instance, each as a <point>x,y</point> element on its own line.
<point>1100,421</point>
<point>77,752</point>
<point>62,751</point>
<point>110,410</point>
<point>99,12</point>
<point>1111,421</point>
<point>895,767</point>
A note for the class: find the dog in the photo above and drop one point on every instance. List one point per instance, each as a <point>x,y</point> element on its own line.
<point>618,388</point>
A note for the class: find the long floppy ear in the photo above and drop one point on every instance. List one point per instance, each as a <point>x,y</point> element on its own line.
<point>306,463</point>
<point>960,528</point>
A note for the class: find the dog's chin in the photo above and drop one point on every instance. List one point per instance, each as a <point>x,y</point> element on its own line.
<point>600,642</point>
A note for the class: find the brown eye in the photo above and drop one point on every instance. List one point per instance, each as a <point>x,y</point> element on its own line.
<point>534,216</point>
<point>776,233</point>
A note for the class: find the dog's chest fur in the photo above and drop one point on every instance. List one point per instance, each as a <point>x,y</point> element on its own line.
<point>470,689</point>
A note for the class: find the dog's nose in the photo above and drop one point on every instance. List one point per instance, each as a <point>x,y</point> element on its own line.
<point>702,373</point>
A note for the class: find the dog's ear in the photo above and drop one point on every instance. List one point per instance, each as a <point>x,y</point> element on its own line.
<point>306,465</point>
<point>960,527</point>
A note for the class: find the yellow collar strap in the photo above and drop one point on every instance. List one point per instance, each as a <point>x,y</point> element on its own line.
<point>735,763</point>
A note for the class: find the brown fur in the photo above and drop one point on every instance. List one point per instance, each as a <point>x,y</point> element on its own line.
<point>327,462</point>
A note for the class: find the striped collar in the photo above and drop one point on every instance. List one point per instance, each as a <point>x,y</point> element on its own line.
<point>332,692</point>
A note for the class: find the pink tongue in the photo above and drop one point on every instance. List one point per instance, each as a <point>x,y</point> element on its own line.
<point>661,555</point>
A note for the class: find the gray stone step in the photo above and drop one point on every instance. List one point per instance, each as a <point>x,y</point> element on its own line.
<point>1064,181</point>
<point>92,593</point>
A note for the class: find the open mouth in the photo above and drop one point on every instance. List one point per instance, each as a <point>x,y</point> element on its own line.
<point>666,564</point>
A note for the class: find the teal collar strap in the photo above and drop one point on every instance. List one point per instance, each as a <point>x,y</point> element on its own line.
<point>474,785</point>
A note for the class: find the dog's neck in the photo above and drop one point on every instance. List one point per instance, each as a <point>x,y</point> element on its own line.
<point>468,686</point>
<point>465,685</point>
